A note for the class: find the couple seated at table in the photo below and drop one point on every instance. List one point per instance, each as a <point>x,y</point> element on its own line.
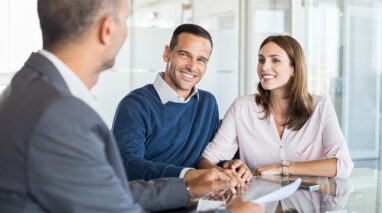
<point>168,128</point>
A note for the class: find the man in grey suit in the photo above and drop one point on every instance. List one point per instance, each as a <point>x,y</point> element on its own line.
<point>56,153</point>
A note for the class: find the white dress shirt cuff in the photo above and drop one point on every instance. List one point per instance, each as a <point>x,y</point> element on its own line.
<point>183,172</point>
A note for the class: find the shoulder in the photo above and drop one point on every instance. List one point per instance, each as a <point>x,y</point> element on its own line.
<point>206,96</point>
<point>70,109</point>
<point>320,101</point>
<point>141,95</point>
<point>246,101</point>
<point>323,105</point>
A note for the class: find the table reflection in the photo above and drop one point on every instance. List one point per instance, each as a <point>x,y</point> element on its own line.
<point>332,195</point>
<point>362,192</point>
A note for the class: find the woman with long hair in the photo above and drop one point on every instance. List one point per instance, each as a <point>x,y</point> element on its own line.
<point>282,129</point>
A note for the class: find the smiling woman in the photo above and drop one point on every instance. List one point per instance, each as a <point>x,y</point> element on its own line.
<point>274,125</point>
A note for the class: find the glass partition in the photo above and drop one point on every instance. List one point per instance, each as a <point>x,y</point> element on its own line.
<point>269,17</point>
<point>342,42</point>
<point>152,24</point>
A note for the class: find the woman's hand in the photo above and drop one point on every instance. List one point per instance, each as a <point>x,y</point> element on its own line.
<point>273,169</point>
<point>241,169</point>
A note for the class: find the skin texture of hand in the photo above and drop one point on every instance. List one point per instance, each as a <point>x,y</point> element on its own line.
<point>273,169</point>
<point>232,174</point>
<point>238,205</point>
<point>194,173</point>
<point>211,182</point>
<point>241,169</point>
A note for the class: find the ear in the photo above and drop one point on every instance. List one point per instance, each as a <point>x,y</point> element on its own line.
<point>106,30</point>
<point>166,54</point>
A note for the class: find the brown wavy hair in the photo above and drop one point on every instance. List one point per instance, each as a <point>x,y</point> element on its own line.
<point>301,102</point>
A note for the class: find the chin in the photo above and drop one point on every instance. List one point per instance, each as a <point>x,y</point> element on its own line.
<point>266,87</point>
<point>108,64</point>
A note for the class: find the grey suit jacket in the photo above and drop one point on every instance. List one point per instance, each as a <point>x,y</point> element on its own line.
<point>57,155</point>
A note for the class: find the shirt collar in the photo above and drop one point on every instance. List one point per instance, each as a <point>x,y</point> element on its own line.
<point>167,94</point>
<point>76,87</point>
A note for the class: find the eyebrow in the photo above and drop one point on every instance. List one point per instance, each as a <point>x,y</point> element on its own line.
<point>188,53</point>
<point>183,51</point>
<point>270,55</point>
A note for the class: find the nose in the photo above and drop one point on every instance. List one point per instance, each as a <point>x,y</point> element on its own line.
<point>266,65</point>
<point>191,64</point>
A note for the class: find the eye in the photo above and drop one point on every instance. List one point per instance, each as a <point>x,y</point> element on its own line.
<point>183,55</point>
<point>275,60</point>
<point>202,60</point>
<point>261,60</point>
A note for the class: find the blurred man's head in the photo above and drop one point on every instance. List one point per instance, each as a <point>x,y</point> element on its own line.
<point>101,23</point>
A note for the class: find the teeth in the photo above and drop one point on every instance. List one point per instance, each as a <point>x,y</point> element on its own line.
<point>269,76</point>
<point>188,76</point>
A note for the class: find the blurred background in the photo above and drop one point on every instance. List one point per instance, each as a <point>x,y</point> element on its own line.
<point>342,40</point>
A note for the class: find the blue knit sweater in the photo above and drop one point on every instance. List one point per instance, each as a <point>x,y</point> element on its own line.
<point>157,140</point>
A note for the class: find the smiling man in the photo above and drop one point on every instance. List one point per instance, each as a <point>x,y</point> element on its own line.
<point>163,128</point>
<point>56,153</point>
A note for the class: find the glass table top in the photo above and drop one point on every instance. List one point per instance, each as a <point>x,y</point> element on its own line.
<point>362,192</point>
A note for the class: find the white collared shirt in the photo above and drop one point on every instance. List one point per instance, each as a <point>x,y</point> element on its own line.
<point>167,94</point>
<point>76,87</point>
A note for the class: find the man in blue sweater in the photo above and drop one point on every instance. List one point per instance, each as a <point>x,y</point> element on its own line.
<point>163,128</point>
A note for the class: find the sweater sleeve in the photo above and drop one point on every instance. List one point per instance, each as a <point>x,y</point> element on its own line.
<point>131,128</point>
<point>334,142</point>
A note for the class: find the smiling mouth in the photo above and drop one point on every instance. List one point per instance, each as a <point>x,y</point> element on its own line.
<point>187,76</point>
<point>268,76</point>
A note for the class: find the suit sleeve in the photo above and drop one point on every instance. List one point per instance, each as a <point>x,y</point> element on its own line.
<point>132,127</point>
<point>68,168</point>
<point>163,193</point>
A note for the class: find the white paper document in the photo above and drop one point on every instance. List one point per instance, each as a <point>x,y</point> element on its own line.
<point>205,205</point>
<point>279,194</point>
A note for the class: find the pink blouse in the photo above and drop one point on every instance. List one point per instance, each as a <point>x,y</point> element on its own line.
<point>260,143</point>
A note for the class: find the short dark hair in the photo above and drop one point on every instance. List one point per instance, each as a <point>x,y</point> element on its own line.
<point>66,20</point>
<point>192,29</point>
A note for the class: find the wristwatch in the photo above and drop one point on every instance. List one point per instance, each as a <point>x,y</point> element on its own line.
<point>284,165</point>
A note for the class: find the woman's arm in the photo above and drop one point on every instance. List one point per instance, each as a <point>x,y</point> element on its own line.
<point>334,142</point>
<point>324,168</point>
<point>206,164</point>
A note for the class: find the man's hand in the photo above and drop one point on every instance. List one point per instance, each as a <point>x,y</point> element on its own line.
<point>194,173</point>
<point>238,205</point>
<point>232,175</point>
<point>241,169</point>
<point>209,183</point>
<point>273,169</point>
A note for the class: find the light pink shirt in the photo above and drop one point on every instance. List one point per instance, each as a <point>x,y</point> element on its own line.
<point>260,143</point>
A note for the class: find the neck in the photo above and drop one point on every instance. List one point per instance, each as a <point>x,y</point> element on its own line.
<point>279,103</point>
<point>81,61</point>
